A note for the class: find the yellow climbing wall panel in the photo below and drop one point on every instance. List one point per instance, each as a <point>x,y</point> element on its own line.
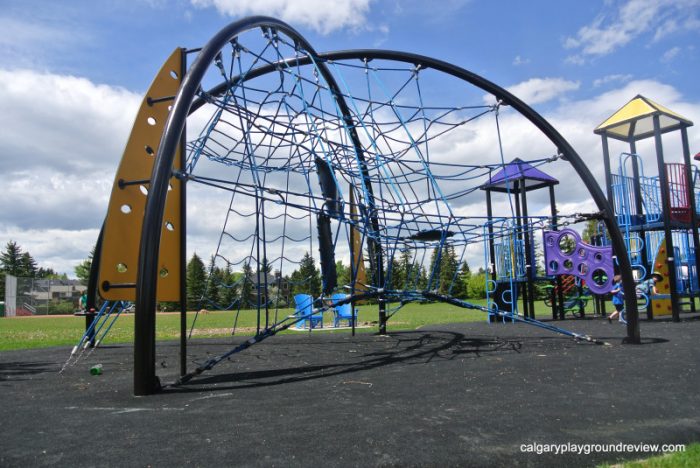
<point>662,306</point>
<point>123,225</point>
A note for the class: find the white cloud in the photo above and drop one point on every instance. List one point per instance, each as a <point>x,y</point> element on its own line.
<point>518,60</point>
<point>675,25</point>
<point>616,78</point>
<point>539,90</point>
<point>323,16</point>
<point>632,19</point>
<point>670,54</point>
<point>61,142</point>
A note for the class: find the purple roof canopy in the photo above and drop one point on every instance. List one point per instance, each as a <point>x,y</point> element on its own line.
<point>518,171</point>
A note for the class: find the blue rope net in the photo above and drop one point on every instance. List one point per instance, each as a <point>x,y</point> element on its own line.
<point>279,172</point>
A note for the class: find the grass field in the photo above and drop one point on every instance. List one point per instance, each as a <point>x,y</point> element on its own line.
<point>46,331</point>
<point>688,459</point>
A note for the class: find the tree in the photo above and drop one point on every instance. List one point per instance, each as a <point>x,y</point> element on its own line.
<point>595,233</point>
<point>196,281</point>
<point>82,270</point>
<point>476,286</point>
<point>459,289</point>
<point>422,279</point>
<point>28,265</point>
<point>247,286</point>
<point>229,292</point>
<point>343,273</point>
<point>307,280</point>
<point>213,281</point>
<point>406,262</point>
<point>11,259</point>
<point>49,273</point>
<point>434,269</point>
<point>465,270</point>
<point>397,279</point>
<point>448,270</point>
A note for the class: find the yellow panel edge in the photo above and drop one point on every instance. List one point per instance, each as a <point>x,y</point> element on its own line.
<point>124,220</point>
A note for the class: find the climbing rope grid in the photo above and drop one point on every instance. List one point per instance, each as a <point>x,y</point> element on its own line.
<point>281,169</point>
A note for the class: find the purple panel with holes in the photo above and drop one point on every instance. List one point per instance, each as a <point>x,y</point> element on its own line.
<point>566,254</point>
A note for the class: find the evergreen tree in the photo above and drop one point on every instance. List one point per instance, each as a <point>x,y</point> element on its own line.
<point>196,282</point>
<point>398,278</point>
<point>406,262</point>
<point>247,286</point>
<point>28,265</point>
<point>465,271</point>
<point>229,291</point>
<point>11,259</point>
<point>448,269</point>
<point>309,276</point>
<point>422,279</point>
<point>434,269</point>
<point>213,281</point>
<point>49,273</point>
<point>459,289</point>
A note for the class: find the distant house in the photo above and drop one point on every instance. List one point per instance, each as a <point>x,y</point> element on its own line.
<point>24,296</point>
<point>55,289</point>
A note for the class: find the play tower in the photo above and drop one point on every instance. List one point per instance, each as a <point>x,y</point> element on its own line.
<point>657,214</point>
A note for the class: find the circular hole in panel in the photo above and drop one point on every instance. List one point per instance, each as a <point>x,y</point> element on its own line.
<point>582,253</point>
<point>550,241</point>
<point>121,267</point>
<point>568,264</point>
<point>598,257</point>
<point>163,272</point>
<point>567,244</point>
<point>169,226</point>
<point>173,73</point>
<point>170,108</point>
<point>143,189</point>
<point>126,209</point>
<point>599,277</point>
<point>149,150</point>
<point>553,265</point>
<point>583,268</point>
<point>151,121</point>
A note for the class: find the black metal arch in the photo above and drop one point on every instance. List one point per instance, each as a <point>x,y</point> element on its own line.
<point>145,380</point>
<point>507,98</point>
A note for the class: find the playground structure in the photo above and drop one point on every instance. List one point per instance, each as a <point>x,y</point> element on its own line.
<point>573,267</point>
<point>362,154</point>
<point>657,214</point>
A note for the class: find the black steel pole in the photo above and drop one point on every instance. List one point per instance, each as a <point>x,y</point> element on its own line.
<point>492,250</point>
<point>693,212</point>
<point>183,237</point>
<point>666,213</point>
<point>93,287</point>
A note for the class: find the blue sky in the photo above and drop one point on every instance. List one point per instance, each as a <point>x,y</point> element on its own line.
<point>73,73</point>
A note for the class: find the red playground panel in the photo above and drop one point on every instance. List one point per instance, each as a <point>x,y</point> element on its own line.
<point>680,204</point>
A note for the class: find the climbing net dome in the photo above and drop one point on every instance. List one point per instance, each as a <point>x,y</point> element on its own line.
<point>374,159</point>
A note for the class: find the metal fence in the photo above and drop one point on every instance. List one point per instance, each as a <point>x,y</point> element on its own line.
<point>32,296</point>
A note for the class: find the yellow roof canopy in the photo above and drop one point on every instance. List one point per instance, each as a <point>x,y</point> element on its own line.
<point>634,121</point>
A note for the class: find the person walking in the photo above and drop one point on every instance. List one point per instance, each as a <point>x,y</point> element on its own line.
<point>618,298</point>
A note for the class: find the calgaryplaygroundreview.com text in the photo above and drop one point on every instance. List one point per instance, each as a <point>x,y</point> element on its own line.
<point>587,449</point>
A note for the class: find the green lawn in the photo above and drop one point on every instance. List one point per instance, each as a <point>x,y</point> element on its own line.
<point>45,331</point>
<point>688,459</point>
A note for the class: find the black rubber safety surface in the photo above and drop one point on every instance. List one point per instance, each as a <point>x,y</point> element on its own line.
<point>451,395</point>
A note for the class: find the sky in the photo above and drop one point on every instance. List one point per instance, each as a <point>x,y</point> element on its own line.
<point>74,72</point>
